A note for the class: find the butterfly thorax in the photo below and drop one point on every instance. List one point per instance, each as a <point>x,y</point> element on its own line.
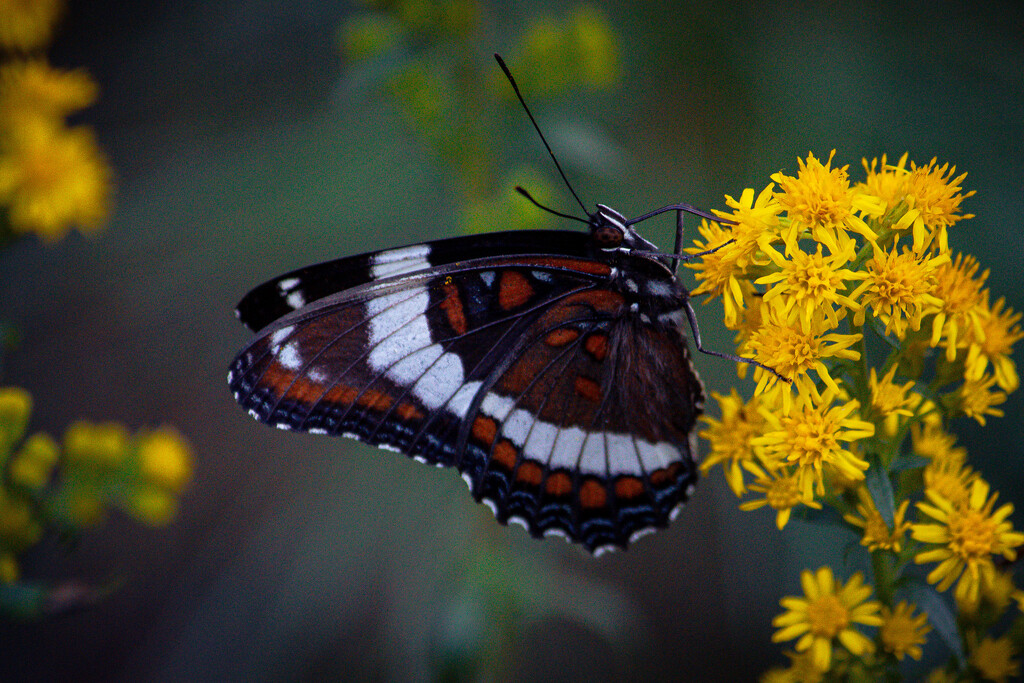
<point>640,271</point>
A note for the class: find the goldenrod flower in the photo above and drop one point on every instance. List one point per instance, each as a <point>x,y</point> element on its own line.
<point>731,438</point>
<point>807,283</point>
<point>102,445</point>
<point>877,534</point>
<point>950,478</point>
<point>934,191</point>
<point>795,348</point>
<point>962,303</point>
<point>165,459</point>
<point>781,489</point>
<point>991,341</point>
<point>888,183</point>
<point>965,539</point>
<point>997,594</point>
<point>33,88</point>
<point>901,633</point>
<point>53,178</point>
<point>899,288</point>
<point>976,399</point>
<point>890,401</point>
<point>32,466</point>
<point>993,659</point>
<point>828,613</point>
<point>932,441</point>
<point>811,435</point>
<point>28,24</point>
<point>718,271</point>
<point>819,199</point>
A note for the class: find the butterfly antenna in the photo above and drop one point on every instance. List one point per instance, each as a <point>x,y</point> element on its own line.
<point>508,75</point>
<point>526,194</point>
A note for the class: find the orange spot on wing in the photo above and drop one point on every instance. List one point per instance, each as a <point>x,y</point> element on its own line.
<point>529,472</point>
<point>484,430</point>
<point>628,487</point>
<point>514,290</point>
<point>597,346</point>
<point>579,265</point>
<point>593,494</point>
<point>558,484</point>
<point>408,411</point>
<point>561,337</point>
<point>452,307</point>
<point>505,454</point>
<point>588,388</point>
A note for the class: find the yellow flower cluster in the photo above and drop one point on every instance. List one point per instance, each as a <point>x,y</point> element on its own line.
<point>52,177</point>
<point>71,485</point>
<point>808,270</point>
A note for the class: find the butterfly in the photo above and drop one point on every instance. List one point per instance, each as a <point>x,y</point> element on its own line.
<point>550,368</point>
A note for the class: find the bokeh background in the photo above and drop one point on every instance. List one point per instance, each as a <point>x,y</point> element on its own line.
<point>242,149</point>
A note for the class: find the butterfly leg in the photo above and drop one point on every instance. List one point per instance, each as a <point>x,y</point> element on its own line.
<point>692,317</point>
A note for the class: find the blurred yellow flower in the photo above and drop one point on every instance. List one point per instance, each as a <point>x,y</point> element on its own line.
<point>993,659</point>
<point>165,459</point>
<point>901,633</point>
<point>891,401</point>
<point>28,24</point>
<point>102,445</point>
<point>991,341</point>
<point>15,408</point>
<point>977,398</point>
<point>950,478</point>
<point>34,88</point>
<point>828,613</point>
<point>964,539</point>
<point>32,466</point>
<point>52,179</point>
<point>885,181</point>
<point>877,534</point>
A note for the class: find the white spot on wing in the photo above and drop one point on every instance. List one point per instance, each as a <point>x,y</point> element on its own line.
<point>287,285</point>
<point>278,337</point>
<point>567,449</point>
<point>399,261</point>
<point>289,356</point>
<point>517,426</point>
<point>440,381</point>
<point>497,406</point>
<point>459,403</point>
<point>296,300</point>
<point>488,277</point>
<point>540,445</point>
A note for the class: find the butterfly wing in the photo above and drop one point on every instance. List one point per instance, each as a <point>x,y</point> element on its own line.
<point>561,410</point>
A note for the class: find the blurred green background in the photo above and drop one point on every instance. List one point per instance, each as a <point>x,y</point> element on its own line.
<point>242,151</point>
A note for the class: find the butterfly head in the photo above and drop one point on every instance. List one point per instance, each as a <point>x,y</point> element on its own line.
<point>611,232</point>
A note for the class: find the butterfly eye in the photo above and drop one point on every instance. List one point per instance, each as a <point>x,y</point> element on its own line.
<point>607,236</point>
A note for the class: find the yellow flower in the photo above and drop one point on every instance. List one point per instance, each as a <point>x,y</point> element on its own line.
<point>901,633</point>
<point>993,659</point>
<point>28,24</point>
<point>976,400</point>
<point>19,527</point>
<point>101,445</point>
<point>828,613</point>
<point>794,349</point>
<point>898,288</point>
<point>962,303</point>
<point>33,87</point>
<point>811,434</point>
<point>15,408</point>
<point>731,437</point>
<point>33,464</point>
<point>807,283</point>
<point>996,594</point>
<point>165,459</point>
<point>950,478</point>
<point>934,191</point>
<point>820,199</point>
<point>992,342</point>
<point>889,401</point>
<point>53,178</point>
<point>932,441</point>
<point>781,489</point>
<point>888,183</point>
<point>877,534</point>
<point>964,539</point>
<point>718,272</point>
<point>153,506</point>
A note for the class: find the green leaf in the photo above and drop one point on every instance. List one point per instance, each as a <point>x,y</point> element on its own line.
<point>877,482</point>
<point>940,616</point>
